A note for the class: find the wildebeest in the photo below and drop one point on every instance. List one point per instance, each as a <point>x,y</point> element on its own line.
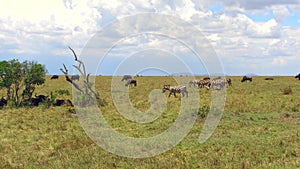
<point>3,102</point>
<point>246,78</point>
<point>126,77</point>
<point>229,82</point>
<point>206,78</point>
<point>269,78</point>
<point>61,102</point>
<point>37,100</point>
<point>54,77</point>
<point>298,76</point>
<point>175,89</point>
<point>41,97</point>
<point>75,77</point>
<point>131,81</point>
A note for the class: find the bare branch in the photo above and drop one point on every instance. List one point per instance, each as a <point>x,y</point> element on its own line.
<point>73,53</point>
<point>80,71</point>
<point>87,78</point>
<point>87,88</point>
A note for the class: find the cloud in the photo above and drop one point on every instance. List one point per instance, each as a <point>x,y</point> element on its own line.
<point>48,27</point>
<point>279,61</point>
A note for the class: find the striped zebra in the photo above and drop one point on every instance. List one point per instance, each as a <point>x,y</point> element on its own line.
<point>126,77</point>
<point>204,83</point>
<point>175,89</point>
<point>193,83</point>
<point>220,83</point>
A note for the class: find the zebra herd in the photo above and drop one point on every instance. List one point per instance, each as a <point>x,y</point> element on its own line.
<point>216,83</point>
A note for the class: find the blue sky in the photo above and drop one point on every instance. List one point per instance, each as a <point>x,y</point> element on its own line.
<point>260,37</point>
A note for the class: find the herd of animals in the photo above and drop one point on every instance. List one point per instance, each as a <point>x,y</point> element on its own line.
<point>216,83</point>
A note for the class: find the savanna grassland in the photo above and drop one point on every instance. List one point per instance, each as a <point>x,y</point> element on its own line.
<point>260,128</point>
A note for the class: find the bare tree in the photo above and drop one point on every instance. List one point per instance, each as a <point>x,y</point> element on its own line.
<point>86,87</point>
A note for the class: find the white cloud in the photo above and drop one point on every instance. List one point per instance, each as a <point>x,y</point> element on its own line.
<point>280,12</point>
<point>35,26</point>
<point>279,61</point>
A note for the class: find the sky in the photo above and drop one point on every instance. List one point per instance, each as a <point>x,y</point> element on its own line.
<point>246,36</point>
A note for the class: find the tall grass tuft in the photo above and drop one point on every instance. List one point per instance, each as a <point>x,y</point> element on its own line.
<point>287,91</point>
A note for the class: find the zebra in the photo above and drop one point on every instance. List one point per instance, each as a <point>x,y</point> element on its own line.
<point>175,89</point>
<point>220,83</point>
<point>204,83</point>
<point>126,77</point>
<point>193,83</point>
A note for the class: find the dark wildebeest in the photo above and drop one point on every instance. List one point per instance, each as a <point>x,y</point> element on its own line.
<point>41,97</point>
<point>60,102</point>
<point>131,81</point>
<point>54,77</point>
<point>37,100</point>
<point>175,89</point>
<point>3,102</point>
<point>126,77</point>
<point>246,78</point>
<point>75,77</point>
<point>298,76</point>
<point>269,78</point>
<point>206,78</point>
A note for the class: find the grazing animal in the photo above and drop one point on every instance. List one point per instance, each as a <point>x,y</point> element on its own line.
<point>175,89</point>
<point>204,83</point>
<point>131,81</point>
<point>206,78</point>
<point>229,82</point>
<point>61,102</point>
<point>37,100</point>
<point>75,77</point>
<point>3,102</point>
<point>298,76</point>
<point>126,77</point>
<point>41,97</point>
<point>219,83</point>
<point>54,77</point>
<point>269,78</point>
<point>246,78</point>
<point>193,83</point>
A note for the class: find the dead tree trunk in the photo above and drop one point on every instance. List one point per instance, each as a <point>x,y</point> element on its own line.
<point>86,88</point>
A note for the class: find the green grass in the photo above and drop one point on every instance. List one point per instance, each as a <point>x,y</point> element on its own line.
<point>259,129</point>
